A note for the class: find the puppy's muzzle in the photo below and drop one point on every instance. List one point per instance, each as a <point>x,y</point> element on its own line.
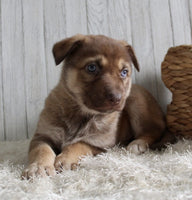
<point>114,98</point>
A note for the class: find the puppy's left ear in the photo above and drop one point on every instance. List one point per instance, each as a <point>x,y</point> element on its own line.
<point>131,54</point>
<point>65,47</point>
<point>133,57</point>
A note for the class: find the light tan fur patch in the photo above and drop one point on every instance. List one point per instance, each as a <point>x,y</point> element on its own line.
<point>102,59</point>
<point>71,80</point>
<point>122,63</point>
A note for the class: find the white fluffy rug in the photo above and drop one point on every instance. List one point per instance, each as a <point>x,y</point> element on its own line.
<point>113,175</point>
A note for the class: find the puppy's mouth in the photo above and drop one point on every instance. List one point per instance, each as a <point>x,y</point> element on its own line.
<point>104,103</point>
<point>108,108</point>
<point>105,108</point>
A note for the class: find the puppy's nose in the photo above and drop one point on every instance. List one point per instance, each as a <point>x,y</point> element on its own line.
<point>114,98</point>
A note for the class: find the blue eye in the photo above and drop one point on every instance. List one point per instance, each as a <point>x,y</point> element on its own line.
<point>91,68</point>
<point>124,73</point>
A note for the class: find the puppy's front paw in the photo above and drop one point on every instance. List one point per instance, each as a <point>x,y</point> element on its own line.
<point>35,169</point>
<point>64,161</point>
<point>138,146</point>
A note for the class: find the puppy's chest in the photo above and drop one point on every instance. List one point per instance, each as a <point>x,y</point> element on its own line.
<point>93,130</point>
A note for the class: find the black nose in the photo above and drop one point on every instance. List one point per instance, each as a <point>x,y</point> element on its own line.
<point>114,98</point>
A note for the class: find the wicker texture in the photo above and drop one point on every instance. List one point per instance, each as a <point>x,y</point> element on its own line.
<point>177,76</point>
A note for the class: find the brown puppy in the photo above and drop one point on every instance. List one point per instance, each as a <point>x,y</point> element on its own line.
<point>93,106</point>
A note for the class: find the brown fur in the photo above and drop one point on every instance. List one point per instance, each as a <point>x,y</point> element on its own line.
<point>87,112</point>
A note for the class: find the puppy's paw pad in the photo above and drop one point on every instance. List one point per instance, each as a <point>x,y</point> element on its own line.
<point>35,170</point>
<point>137,147</point>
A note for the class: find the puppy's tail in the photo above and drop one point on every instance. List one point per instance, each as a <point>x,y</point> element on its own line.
<point>167,138</point>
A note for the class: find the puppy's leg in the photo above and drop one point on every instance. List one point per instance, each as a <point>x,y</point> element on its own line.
<point>146,119</point>
<point>71,155</point>
<point>41,160</point>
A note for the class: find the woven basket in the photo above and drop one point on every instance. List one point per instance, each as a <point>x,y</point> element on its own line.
<point>177,76</point>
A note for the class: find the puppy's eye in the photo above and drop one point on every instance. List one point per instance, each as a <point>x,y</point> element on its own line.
<point>92,68</point>
<point>124,73</point>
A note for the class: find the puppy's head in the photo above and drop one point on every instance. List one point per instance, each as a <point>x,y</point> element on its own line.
<point>96,71</point>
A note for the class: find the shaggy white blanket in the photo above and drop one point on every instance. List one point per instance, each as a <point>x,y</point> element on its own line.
<point>113,175</point>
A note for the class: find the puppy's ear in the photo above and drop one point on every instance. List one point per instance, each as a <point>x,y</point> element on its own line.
<point>133,57</point>
<point>131,54</point>
<point>65,47</point>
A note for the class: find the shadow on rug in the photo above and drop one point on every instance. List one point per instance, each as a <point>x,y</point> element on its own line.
<point>113,175</point>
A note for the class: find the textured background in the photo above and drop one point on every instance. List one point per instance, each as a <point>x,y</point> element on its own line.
<point>29,28</point>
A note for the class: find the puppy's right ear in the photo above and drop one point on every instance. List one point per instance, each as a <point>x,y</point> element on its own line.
<point>65,47</point>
